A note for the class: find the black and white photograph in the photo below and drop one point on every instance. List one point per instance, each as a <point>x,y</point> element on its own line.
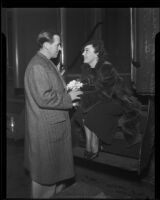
<point>80,101</point>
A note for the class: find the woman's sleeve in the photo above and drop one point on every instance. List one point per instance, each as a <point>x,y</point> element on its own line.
<point>106,80</point>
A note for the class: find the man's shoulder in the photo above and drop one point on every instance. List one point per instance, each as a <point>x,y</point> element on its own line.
<point>34,61</point>
<point>37,60</point>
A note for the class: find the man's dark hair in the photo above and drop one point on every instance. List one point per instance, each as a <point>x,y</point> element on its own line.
<point>46,36</point>
<point>98,45</point>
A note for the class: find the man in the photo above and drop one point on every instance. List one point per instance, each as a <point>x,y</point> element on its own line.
<point>48,147</point>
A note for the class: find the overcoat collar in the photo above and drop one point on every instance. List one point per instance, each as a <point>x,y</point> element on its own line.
<point>54,66</point>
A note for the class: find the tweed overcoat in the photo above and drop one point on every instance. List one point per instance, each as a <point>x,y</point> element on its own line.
<point>48,146</point>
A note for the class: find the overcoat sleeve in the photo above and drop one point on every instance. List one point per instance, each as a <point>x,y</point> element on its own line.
<point>46,94</point>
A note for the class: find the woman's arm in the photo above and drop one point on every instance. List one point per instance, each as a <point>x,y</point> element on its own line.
<point>106,80</point>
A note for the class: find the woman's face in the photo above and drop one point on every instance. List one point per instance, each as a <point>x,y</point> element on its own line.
<point>90,56</point>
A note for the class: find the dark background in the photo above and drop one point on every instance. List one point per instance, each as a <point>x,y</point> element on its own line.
<point>20,27</point>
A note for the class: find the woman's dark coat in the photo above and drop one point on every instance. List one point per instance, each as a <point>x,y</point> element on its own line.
<point>107,101</point>
<point>48,147</point>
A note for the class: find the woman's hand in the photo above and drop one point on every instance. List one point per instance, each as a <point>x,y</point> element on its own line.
<point>75,94</point>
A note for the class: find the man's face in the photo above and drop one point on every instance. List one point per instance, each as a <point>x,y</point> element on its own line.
<point>54,47</point>
<point>89,54</point>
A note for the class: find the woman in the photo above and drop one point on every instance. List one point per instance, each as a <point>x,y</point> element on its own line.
<point>108,101</point>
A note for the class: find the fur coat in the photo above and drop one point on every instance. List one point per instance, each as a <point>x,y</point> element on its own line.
<point>103,83</point>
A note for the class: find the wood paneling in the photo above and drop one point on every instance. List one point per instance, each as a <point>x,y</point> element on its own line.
<point>147,28</point>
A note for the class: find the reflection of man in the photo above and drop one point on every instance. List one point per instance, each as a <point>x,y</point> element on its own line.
<point>48,150</point>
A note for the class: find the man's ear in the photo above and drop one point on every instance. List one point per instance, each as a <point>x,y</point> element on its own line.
<point>46,45</point>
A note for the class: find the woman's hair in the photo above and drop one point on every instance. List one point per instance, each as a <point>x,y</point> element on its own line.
<point>98,45</point>
<point>46,36</point>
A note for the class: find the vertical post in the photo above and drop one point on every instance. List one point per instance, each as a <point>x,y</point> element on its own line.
<point>63,46</point>
<point>7,53</point>
<point>15,49</point>
<point>148,27</point>
<point>133,43</point>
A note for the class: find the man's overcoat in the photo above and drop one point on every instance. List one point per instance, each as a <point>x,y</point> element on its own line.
<point>48,146</point>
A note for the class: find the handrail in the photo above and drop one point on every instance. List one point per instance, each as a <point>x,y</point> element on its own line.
<point>89,37</point>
